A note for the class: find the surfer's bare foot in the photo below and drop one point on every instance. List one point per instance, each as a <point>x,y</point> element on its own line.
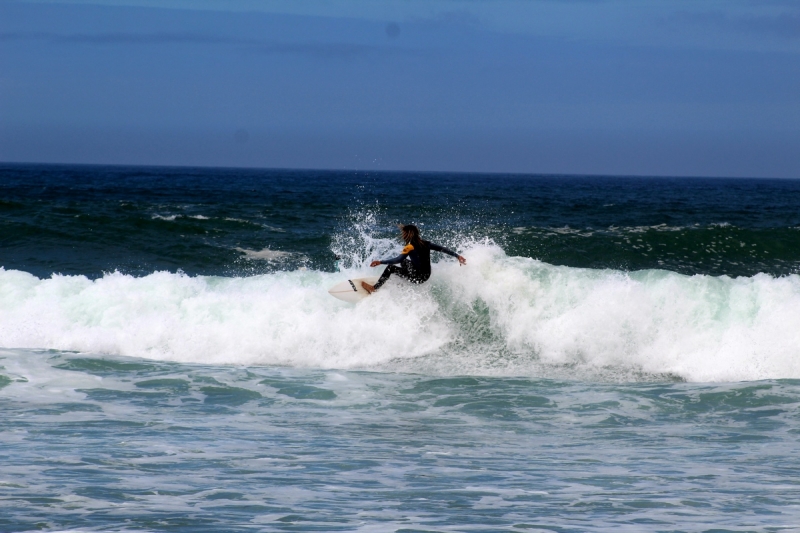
<point>367,287</point>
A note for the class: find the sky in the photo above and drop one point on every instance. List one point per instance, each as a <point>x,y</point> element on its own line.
<point>612,87</point>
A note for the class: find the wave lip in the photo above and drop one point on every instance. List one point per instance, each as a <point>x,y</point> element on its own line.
<point>499,315</point>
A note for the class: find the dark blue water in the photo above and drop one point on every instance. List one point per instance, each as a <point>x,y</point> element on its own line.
<point>90,220</point>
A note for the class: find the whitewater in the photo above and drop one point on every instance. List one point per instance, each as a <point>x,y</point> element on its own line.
<point>500,316</point>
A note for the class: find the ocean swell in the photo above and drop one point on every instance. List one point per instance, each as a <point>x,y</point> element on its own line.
<point>499,315</point>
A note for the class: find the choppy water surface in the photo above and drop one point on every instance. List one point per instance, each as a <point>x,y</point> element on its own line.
<point>91,220</point>
<point>119,444</point>
<point>618,353</point>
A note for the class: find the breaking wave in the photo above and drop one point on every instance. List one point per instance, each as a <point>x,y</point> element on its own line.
<point>499,315</point>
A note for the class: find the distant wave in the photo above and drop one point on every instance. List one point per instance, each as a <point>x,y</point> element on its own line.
<point>499,315</point>
<point>714,249</point>
<point>264,255</point>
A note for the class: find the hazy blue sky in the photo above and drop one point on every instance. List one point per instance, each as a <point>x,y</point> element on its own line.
<point>541,86</point>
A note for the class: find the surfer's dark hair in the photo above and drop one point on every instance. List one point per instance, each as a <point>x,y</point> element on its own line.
<point>411,235</point>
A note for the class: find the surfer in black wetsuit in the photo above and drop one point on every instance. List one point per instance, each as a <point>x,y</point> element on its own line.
<point>413,263</point>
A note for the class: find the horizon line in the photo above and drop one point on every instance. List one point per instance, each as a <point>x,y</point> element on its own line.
<point>395,171</point>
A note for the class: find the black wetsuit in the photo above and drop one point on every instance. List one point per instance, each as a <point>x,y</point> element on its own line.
<point>414,263</point>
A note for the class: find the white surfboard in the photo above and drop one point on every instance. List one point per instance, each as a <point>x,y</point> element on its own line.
<point>351,290</point>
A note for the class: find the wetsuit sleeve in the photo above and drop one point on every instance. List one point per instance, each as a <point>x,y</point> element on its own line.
<point>399,258</point>
<point>442,249</point>
<point>393,260</point>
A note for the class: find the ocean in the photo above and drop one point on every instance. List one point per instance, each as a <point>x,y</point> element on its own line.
<point>618,354</point>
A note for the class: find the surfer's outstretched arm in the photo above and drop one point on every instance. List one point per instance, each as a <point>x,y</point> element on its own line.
<point>394,260</point>
<point>461,259</point>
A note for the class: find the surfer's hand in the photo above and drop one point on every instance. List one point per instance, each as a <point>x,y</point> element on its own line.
<point>375,263</point>
<point>462,260</point>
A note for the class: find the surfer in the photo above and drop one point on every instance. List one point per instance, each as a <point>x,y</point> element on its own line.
<point>413,263</point>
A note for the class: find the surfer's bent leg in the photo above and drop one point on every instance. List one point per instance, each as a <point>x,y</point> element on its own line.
<point>403,271</point>
<point>391,269</point>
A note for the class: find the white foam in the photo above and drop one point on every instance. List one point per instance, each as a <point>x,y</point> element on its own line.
<point>263,255</point>
<point>282,318</point>
<point>173,218</point>
<point>702,328</point>
<point>498,315</point>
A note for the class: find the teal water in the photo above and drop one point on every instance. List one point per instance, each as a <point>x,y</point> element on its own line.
<point>110,444</point>
<point>618,353</point>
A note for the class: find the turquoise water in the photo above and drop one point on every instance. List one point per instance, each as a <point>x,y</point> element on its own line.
<point>618,354</point>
